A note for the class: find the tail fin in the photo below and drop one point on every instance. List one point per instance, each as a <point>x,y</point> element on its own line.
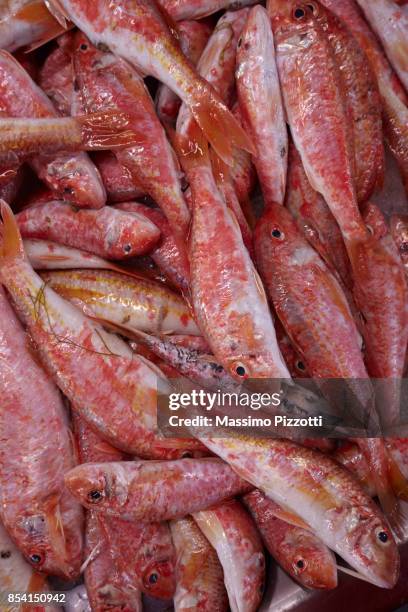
<point>106,130</point>
<point>12,246</point>
<point>37,15</point>
<point>220,127</point>
<point>191,148</point>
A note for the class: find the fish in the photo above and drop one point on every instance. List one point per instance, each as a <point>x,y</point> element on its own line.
<point>139,33</point>
<point>200,577</point>
<point>390,23</point>
<point>36,451</point>
<point>152,566</point>
<point>399,232</point>
<point>114,390</point>
<point>16,575</point>
<point>153,490</point>
<point>229,300</point>
<point>197,9</point>
<point>393,96</point>
<point>108,232</point>
<point>119,184</point>
<point>170,254</point>
<point>56,75</point>
<point>362,103</point>
<point>243,174</point>
<point>322,494</point>
<point>315,110</point>
<point>108,84</point>
<point>298,551</point>
<point>71,176</point>
<point>193,37</point>
<point>260,103</point>
<point>131,303</point>
<point>26,23</point>
<point>231,531</point>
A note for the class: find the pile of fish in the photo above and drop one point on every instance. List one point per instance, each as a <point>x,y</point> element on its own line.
<point>133,137</point>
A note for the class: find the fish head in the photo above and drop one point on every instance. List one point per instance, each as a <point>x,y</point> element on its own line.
<point>97,485</point>
<point>278,237</point>
<point>159,579</point>
<point>313,564</point>
<point>293,22</point>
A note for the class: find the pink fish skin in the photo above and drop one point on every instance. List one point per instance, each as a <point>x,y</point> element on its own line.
<point>200,578</point>
<point>229,300</point>
<point>232,532</point>
<point>36,452</point>
<point>390,23</point>
<point>298,551</point>
<point>109,233</point>
<point>394,97</point>
<point>308,74</point>
<point>243,173</point>
<point>56,76</point>
<point>114,390</point>
<point>260,102</point>
<point>139,32</point>
<point>154,490</point>
<point>70,175</point>
<point>152,565</point>
<point>196,9</point>
<point>108,83</point>
<point>119,184</point>
<point>170,254</point>
<point>193,37</point>
<point>326,498</point>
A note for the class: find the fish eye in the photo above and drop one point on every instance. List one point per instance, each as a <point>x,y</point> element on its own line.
<point>299,13</point>
<point>36,558</point>
<point>153,578</point>
<point>300,365</point>
<point>127,248</point>
<point>300,565</point>
<point>382,536</point>
<point>370,229</point>
<point>83,47</point>
<point>276,233</point>
<point>95,496</point>
<point>240,369</point>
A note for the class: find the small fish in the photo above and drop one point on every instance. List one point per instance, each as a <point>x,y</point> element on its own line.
<point>36,451</point>
<point>260,103</point>
<point>325,497</point>
<point>232,532</point>
<point>154,490</point>
<point>298,551</point>
<point>131,303</point>
<point>139,33</point>
<point>108,84</point>
<point>119,184</point>
<point>108,233</point>
<point>200,578</point>
<point>26,23</point>
<point>193,37</point>
<point>390,23</point>
<point>196,9</point>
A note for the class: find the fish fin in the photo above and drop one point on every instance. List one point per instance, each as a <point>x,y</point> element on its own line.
<point>51,34</point>
<point>57,11</point>
<point>12,246</point>
<point>284,514</point>
<point>219,125</point>
<point>191,148</point>
<point>398,480</point>
<point>106,130</point>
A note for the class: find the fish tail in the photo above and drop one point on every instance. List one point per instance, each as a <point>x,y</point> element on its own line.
<point>191,148</point>
<point>220,127</point>
<point>37,15</point>
<point>106,130</point>
<point>12,244</point>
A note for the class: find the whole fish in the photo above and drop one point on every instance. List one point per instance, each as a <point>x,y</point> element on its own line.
<point>109,233</point>
<point>16,575</point>
<point>150,547</point>
<point>26,23</point>
<point>362,100</point>
<point>71,175</point>
<point>229,300</point>
<point>394,98</point>
<point>138,31</point>
<point>56,75</point>
<point>119,184</point>
<point>36,451</point>
<point>154,490</point>
<point>114,390</point>
<point>200,578</point>
<point>315,109</point>
<point>399,231</point>
<point>390,23</point>
<point>170,254</point>
<point>107,83</point>
<point>298,551</point>
<point>232,532</point>
<point>260,103</point>
<point>131,303</point>
<point>193,36</point>
<point>326,498</point>
<point>196,9</point>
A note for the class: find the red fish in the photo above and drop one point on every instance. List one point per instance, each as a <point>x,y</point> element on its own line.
<point>196,9</point>
<point>56,76</point>
<point>26,23</point>
<point>399,231</point>
<point>119,184</point>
